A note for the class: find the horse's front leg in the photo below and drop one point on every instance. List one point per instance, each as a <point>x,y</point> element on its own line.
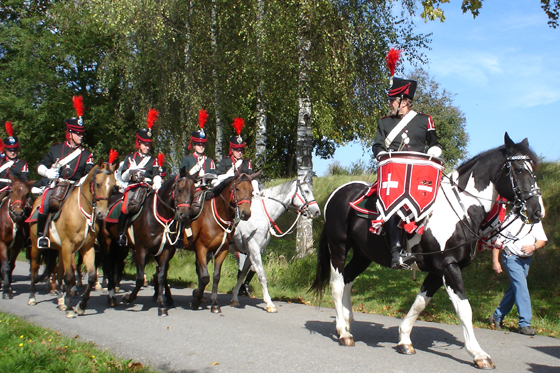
<point>6,289</point>
<point>88,258</point>
<point>240,277</point>
<point>140,261</point>
<point>67,259</point>
<point>256,260</point>
<point>456,291</point>
<point>203,277</point>
<point>430,285</point>
<point>218,261</point>
<point>164,293</point>
<point>34,272</point>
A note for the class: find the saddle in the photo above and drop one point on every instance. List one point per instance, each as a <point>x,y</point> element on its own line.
<point>59,195</point>
<point>197,205</point>
<point>135,195</point>
<point>115,207</point>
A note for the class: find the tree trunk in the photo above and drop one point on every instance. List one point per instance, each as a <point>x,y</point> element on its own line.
<point>260,155</point>
<point>217,112</point>
<point>304,149</point>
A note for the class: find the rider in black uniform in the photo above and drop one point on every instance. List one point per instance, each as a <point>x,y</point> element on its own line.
<point>414,136</point>
<point>64,164</point>
<point>10,164</point>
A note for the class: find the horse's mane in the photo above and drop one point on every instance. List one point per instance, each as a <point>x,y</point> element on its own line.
<point>484,161</point>
<point>279,190</point>
<point>220,187</point>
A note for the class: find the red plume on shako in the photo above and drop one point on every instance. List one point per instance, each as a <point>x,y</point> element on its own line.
<point>145,135</point>
<point>237,142</point>
<point>199,136</point>
<point>113,155</point>
<point>10,142</point>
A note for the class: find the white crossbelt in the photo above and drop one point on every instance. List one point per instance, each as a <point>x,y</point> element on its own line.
<point>399,127</point>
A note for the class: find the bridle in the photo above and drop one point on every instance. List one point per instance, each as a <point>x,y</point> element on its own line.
<point>521,195</point>
<point>95,197</point>
<point>233,198</point>
<point>176,204</point>
<point>12,205</point>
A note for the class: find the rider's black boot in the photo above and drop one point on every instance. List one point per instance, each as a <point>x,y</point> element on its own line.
<point>42,241</point>
<point>121,234</point>
<point>395,235</point>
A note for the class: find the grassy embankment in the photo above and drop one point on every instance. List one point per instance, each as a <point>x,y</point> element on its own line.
<point>28,348</point>
<point>386,292</point>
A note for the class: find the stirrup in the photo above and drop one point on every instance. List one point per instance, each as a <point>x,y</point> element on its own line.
<point>123,240</point>
<point>43,242</point>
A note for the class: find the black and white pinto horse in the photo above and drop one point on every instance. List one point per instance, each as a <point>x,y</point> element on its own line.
<point>253,236</point>
<point>447,245</point>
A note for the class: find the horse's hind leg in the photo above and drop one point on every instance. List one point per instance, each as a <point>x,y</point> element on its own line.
<point>69,278</point>
<point>430,285</point>
<point>456,291</point>
<point>163,288</point>
<point>34,272</point>
<point>341,285</point>
<point>256,260</point>
<point>89,261</point>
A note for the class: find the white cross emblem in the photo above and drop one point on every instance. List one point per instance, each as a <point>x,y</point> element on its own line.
<point>389,184</point>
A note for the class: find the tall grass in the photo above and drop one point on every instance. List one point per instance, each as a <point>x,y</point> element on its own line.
<point>386,292</point>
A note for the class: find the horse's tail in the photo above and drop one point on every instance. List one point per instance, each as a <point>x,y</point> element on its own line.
<point>49,258</point>
<point>322,274</point>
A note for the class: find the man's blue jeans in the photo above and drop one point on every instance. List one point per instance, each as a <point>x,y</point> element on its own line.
<point>517,292</point>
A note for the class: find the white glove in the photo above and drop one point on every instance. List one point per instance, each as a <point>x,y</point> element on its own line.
<point>125,176</point>
<point>195,169</point>
<point>238,163</point>
<point>157,182</point>
<point>434,151</point>
<point>52,174</point>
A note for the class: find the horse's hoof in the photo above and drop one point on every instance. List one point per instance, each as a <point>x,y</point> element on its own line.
<point>32,302</point>
<point>235,303</point>
<point>7,296</point>
<point>406,349</point>
<point>195,304</point>
<point>163,312</point>
<point>346,341</point>
<point>216,309</point>
<point>485,363</point>
<point>117,289</point>
<point>112,301</point>
<point>61,304</point>
<point>79,310</point>
<point>98,286</point>
<point>70,314</point>
<point>126,299</point>
<point>271,309</point>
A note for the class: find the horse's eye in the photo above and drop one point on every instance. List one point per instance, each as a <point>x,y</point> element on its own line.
<point>518,171</point>
<point>97,185</point>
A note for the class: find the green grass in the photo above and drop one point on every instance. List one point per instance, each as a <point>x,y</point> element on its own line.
<point>387,292</point>
<point>28,348</point>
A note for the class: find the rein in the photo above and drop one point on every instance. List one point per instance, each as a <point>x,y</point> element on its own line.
<point>521,198</point>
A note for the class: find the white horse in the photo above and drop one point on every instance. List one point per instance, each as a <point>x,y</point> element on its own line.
<point>252,236</point>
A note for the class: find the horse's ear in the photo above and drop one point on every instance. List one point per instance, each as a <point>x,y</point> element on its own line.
<point>100,162</point>
<point>255,175</point>
<point>510,145</point>
<point>183,171</point>
<point>525,142</point>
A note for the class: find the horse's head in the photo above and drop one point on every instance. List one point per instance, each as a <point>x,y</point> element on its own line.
<point>242,193</point>
<point>304,201</point>
<point>101,186</point>
<point>517,181</point>
<point>183,193</point>
<point>20,200</point>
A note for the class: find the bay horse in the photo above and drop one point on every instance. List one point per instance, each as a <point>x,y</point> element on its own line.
<point>447,245</point>
<point>212,231</point>
<point>251,237</point>
<point>155,231</point>
<point>14,231</point>
<point>75,231</point>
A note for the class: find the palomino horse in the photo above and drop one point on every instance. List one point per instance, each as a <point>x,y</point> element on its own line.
<point>447,245</point>
<point>164,215</point>
<point>14,210</point>
<point>76,230</point>
<point>213,229</point>
<point>252,236</point>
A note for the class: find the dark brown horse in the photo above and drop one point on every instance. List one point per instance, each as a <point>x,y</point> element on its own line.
<point>14,210</point>
<point>165,213</point>
<point>75,231</point>
<point>213,230</point>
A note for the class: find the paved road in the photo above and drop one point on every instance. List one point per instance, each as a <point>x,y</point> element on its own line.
<point>298,338</point>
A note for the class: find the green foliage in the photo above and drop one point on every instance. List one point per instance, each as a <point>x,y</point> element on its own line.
<point>27,348</point>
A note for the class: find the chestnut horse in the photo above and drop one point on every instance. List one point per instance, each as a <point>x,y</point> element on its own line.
<point>165,213</point>
<point>213,230</point>
<point>14,210</point>
<point>74,231</point>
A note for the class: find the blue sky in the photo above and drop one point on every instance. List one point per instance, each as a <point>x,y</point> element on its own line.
<point>503,69</point>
